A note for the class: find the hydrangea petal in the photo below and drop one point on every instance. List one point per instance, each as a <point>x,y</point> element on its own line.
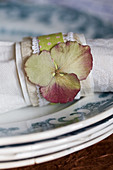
<point>72,57</point>
<point>39,68</point>
<point>62,88</point>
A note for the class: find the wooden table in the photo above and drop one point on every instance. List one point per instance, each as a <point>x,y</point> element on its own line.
<point>96,157</point>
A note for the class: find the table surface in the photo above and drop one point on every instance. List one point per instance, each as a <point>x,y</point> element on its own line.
<point>95,157</point>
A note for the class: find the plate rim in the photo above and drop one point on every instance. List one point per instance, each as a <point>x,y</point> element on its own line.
<point>43,144</point>
<point>53,133</point>
<point>58,148</point>
<point>53,156</point>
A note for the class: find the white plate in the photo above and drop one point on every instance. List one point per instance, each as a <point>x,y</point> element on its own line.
<point>85,112</point>
<point>42,152</point>
<point>84,133</point>
<point>53,156</point>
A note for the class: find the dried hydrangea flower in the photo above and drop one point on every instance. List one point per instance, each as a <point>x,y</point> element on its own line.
<point>59,71</point>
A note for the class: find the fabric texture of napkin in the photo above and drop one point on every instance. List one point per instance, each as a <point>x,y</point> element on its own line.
<point>11,96</point>
<point>102,72</point>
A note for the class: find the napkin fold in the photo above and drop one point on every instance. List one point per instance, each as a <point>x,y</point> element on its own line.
<point>102,72</point>
<point>11,96</point>
<point>11,91</point>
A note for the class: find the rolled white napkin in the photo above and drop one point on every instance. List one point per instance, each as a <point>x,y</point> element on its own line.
<point>13,89</point>
<point>11,96</point>
<point>102,72</point>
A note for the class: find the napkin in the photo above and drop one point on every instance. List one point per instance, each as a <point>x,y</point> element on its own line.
<point>102,72</point>
<point>11,96</point>
<point>14,91</point>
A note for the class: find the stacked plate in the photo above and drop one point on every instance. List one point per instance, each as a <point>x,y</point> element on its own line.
<point>36,135</point>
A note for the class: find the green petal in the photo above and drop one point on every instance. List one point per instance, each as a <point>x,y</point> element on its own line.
<point>39,68</point>
<point>62,89</point>
<point>72,57</point>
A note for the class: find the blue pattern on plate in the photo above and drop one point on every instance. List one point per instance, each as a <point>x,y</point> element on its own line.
<point>76,132</point>
<point>81,113</point>
<point>95,105</point>
<point>22,19</point>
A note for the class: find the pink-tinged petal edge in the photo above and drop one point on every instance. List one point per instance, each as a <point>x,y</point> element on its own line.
<point>62,89</point>
<point>73,57</point>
